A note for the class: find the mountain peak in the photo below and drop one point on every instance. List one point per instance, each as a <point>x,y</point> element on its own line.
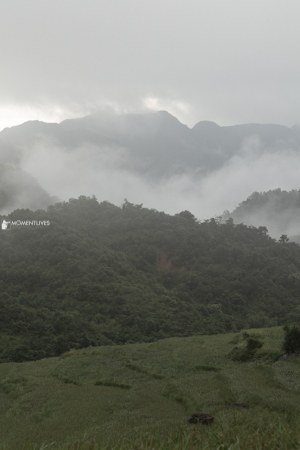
<point>206,124</point>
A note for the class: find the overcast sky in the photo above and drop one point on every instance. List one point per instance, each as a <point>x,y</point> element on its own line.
<point>229,61</point>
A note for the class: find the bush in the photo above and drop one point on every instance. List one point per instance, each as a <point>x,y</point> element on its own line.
<point>248,352</point>
<point>253,344</point>
<point>291,343</point>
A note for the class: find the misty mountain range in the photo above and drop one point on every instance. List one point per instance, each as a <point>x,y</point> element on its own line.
<point>155,144</point>
<point>149,157</point>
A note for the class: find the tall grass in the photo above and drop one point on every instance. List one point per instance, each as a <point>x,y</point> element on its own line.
<point>140,396</point>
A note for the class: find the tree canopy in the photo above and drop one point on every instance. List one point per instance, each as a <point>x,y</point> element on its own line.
<point>102,274</point>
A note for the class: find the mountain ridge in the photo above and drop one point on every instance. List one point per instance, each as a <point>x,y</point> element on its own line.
<point>156,143</point>
<point>150,150</point>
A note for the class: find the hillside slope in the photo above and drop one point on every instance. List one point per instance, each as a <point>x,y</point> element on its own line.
<point>276,209</point>
<point>100,274</point>
<point>140,396</point>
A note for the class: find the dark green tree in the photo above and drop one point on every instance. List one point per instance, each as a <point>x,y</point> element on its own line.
<point>283,239</point>
<point>291,343</point>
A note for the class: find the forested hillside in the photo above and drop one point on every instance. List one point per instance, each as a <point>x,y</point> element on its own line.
<point>277,209</point>
<point>102,274</point>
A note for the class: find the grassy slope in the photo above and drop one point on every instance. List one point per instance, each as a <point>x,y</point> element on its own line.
<point>152,388</point>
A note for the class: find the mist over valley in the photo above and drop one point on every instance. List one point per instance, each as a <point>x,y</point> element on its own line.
<point>154,159</point>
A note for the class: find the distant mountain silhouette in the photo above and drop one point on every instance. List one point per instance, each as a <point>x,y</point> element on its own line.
<point>153,146</point>
<point>16,142</point>
<point>231,139</point>
<point>157,144</point>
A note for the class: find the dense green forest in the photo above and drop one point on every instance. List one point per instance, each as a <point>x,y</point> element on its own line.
<point>102,274</point>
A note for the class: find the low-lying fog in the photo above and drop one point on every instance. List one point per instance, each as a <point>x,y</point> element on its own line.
<point>169,168</point>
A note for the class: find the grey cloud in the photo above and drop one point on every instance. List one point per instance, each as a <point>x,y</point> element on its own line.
<point>232,62</point>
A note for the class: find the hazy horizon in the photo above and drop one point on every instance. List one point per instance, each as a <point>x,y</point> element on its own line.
<point>57,118</point>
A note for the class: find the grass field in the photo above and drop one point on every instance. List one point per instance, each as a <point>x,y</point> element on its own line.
<point>139,396</point>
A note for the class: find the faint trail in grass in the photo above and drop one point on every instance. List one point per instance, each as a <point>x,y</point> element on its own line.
<point>144,370</point>
<point>173,392</point>
<point>112,384</point>
<point>206,368</point>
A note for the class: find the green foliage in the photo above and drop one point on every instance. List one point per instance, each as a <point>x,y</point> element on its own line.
<point>247,353</point>
<point>283,239</point>
<point>253,344</point>
<point>291,343</point>
<point>104,275</point>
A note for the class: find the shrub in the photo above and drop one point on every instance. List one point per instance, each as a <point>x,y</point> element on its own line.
<point>253,344</point>
<point>248,352</point>
<point>291,343</point>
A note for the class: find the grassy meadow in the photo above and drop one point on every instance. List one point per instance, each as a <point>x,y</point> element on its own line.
<point>139,396</point>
